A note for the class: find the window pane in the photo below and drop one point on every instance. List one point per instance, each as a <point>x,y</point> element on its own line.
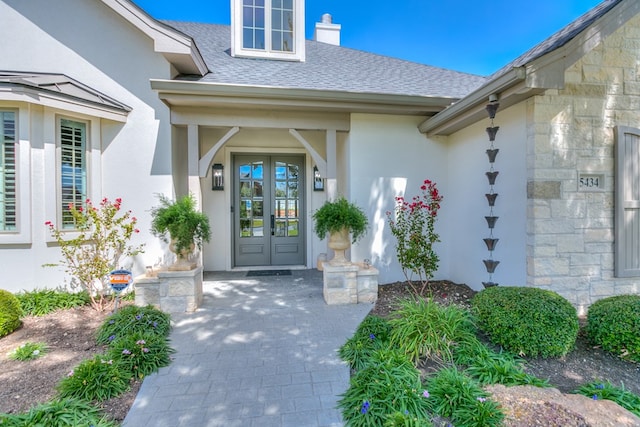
<point>247,17</point>
<point>258,229</point>
<point>293,228</point>
<point>8,197</point>
<point>73,168</point>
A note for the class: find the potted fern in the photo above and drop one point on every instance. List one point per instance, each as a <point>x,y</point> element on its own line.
<point>187,228</point>
<point>340,219</point>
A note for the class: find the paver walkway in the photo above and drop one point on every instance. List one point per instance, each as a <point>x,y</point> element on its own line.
<point>262,351</point>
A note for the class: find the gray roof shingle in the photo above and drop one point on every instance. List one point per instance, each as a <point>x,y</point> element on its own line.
<point>327,67</point>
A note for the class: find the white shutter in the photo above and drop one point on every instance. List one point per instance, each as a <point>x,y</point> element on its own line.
<point>627,202</point>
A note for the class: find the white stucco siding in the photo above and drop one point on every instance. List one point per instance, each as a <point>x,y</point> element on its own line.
<point>87,42</point>
<point>467,206</point>
<point>389,157</point>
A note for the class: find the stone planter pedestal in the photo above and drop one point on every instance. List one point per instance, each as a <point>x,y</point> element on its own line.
<point>170,291</point>
<point>349,284</point>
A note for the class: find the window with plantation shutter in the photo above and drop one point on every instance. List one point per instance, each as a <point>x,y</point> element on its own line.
<point>627,202</point>
<point>8,196</point>
<point>73,168</point>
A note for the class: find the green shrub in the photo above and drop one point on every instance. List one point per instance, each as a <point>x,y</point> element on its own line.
<point>454,395</point>
<point>59,413</point>
<point>598,391</point>
<point>10,313</point>
<point>45,301</point>
<point>141,353</point>
<point>98,379</point>
<point>423,328</point>
<point>133,319</point>
<point>527,321</point>
<point>371,335</point>
<point>29,351</point>
<point>614,324</point>
<point>388,385</point>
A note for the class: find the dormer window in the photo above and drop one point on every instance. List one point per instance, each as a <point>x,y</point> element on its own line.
<point>272,29</point>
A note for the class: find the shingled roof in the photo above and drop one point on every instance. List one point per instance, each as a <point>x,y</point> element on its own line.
<point>327,67</point>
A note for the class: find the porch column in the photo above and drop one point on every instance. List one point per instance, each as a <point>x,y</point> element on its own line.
<point>331,178</point>
<point>193,160</point>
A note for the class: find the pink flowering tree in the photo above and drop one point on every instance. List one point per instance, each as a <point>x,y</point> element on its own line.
<point>96,247</point>
<point>412,224</point>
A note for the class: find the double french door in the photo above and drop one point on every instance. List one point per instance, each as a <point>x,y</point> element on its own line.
<point>268,210</point>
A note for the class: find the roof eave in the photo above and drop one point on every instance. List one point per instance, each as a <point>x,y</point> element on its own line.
<point>179,49</point>
<point>182,93</point>
<point>471,108</point>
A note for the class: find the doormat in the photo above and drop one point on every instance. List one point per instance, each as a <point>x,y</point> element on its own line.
<point>269,273</point>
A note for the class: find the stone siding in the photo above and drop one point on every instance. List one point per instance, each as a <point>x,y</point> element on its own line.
<point>570,131</point>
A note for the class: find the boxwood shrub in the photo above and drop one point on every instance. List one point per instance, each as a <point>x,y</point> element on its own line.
<point>527,321</point>
<point>614,324</point>
<point>10,313</point>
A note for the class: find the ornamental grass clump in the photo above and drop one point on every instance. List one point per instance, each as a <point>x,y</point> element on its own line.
<point>96,379</point>
<point>614,324</point>
<point>388,385</point>
<point>423,328</point>
<point>44,301</point>
<point>371,335</point>
<point>527,321</point>
<point>29,351</point>
<point>141,354</point>
<point>454,395</point>
<point>10,313</point>
<point>132,319</point>
<point>68,412</point>
<point>413,225</point>
<point>605,390</point>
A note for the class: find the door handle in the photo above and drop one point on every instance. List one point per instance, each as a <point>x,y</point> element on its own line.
<point>273,224</point>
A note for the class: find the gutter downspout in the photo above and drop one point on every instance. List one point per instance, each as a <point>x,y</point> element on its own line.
<point>510,78</point>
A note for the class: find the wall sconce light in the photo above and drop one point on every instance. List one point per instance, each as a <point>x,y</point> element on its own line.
<point>218,177</point>
<point>318,182</point>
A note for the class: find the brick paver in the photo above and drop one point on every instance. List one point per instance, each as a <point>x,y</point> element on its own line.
<point>261,351</point>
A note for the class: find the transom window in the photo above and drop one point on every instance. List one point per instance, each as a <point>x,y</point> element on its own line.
<point>268,28</point>
<point>8,196</point>
<point>73,168</point>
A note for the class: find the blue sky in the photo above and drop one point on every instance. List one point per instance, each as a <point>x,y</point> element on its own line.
<point>473,36</point>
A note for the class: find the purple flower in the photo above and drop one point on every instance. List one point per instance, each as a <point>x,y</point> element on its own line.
<point>155,324</point>
<point>139,316</point>
<point>111,322</point>
<point>125,351</point>
<point>365,407</point>
<point>481,399</point>
<point>112,337</point>
<point>141,342</point>
<point>145,350</point>
<point>600,386</point>
<point>70,374</point>
<point>372,337</point>
<point>425,394</point>
<point>595,397</point>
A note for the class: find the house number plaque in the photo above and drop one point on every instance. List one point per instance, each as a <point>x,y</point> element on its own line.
<point>590,182</point>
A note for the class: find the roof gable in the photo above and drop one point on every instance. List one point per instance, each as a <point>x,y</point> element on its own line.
<point>177,47</point>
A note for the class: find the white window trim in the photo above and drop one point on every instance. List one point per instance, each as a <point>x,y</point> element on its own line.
<point>237,49</point>
<point>22,234</point>
<point>53,190</point>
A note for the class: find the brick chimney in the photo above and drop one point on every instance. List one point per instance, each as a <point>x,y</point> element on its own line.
<point>326,31</point>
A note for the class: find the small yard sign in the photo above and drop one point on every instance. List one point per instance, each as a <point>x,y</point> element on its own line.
<point>120,279</point>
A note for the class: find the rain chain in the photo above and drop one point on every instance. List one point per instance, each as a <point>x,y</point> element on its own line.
<point>492,152</point>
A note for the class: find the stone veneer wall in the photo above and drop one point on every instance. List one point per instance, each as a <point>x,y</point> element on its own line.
<point>570,131</point>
